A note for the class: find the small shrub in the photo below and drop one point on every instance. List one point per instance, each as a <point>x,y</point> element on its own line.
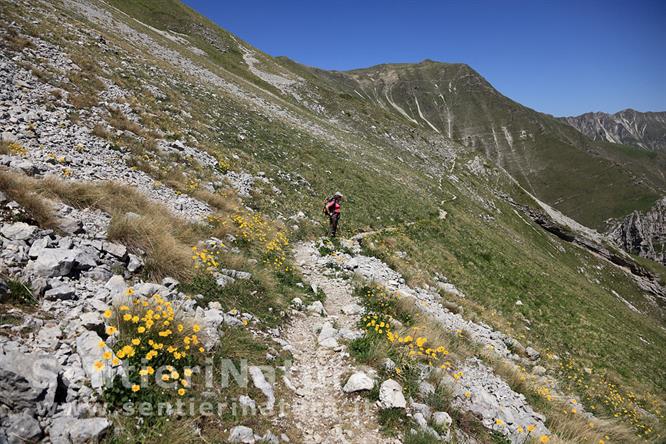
<point>82,100</point>
<point>16,149</point>
<point>101,132</point>
<point>119,121</point>
<point>15,41</point>
<point>17,186</point>
<point>19,293</point>
<point>418,437</point>
<point>392,421</point>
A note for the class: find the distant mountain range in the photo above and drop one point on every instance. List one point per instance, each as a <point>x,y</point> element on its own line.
<point>630,127</point>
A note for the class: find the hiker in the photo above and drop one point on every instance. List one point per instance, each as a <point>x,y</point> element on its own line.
<point>332,209</point>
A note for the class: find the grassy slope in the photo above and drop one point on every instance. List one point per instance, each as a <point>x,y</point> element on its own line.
<point>568,307</point>
<point>496,263</point>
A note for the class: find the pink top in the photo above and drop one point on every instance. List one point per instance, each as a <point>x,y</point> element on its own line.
<point>333,207</point>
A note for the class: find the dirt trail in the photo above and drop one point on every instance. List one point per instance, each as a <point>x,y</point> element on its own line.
<point>321,410</point>
<point>325,413</point>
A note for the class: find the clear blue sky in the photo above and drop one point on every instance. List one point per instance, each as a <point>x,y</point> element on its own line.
<point>561,57</point>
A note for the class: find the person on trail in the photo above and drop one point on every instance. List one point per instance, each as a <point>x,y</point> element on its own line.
<point>332,209</point>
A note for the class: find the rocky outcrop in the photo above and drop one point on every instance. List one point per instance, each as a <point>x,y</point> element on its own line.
<point>643,233</point>
<point>49,387</point>
<point>630,127</point>
<point>643,277</point>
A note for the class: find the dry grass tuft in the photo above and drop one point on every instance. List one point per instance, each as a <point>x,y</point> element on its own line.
<point>17,187</point>
<point>101,132</point>
<point>82,100</point>
<point>164,238</point>
<point>223,201</point>
<point>15,41</point>
<point>166,252</point>
<point>118,120</point>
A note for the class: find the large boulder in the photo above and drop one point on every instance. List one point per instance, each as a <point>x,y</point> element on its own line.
<point>53,262</point>
<point>18,231</point>
<point>27,380</point>
<point>442,419</point>
<point>23,428</point>
<point>327,336</point>
<point>60,293</point>
<point>70,430</point>
<point>211,320</point>
<point>70,225</point>
<point>357,382</point>
<point>114,249</point>
<point>390,395</point>
<point>116,285</point>
<point>241,434</point>
<point>87,347</point>
<point>262,384</point>
<point>37,246</point>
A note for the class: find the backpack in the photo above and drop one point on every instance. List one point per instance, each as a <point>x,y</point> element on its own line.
<point>326,202</point>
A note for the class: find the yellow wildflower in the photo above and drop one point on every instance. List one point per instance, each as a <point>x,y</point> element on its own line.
<point>136,388</point>
<point>107,313</point>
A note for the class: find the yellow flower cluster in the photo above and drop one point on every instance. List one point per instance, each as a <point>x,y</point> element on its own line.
<point>545,393</point>
<point>216,220</point>
<point>600,394</point>
<point>151,334</point>
<point>528,429</point>
<point>274,243</point>
<point>223,164</point>
<point>379,300</point>
<point>205,258</point>
<point>52,156</point>
<point>192,186</point>
<point>17,149</point>
<point>66,172</point>
<point>415,348</point>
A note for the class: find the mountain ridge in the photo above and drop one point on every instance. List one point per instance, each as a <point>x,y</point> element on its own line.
<point>644,130</point>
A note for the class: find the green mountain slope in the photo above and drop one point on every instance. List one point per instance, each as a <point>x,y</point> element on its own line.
<point>587,180</point>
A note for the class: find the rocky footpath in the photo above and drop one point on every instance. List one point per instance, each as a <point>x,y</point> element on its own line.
<point>320,407</point>
<point>477,388</point>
